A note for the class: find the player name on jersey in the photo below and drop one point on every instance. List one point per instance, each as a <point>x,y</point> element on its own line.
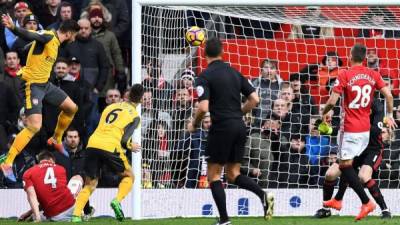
<point>361,77</point>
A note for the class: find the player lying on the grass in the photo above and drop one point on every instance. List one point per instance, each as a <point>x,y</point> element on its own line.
<point>367,163</point>
<point>357,85</point>
<point>105,147</point>
<point>35,76</point>
<point>47,190</point>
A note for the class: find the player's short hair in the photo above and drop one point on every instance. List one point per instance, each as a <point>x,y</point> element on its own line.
<point>69,26</point>
<point>62,60</point>
<point>136,93</point>
<point>213,47</point>
<point>358,53</point>
<point>46,155</point>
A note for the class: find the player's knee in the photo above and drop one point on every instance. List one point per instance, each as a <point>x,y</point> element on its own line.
<point>364,178</point>
<point>72,109</point>
<point>331,175</point>
<point>213,177</point>
<point>128,173</point>
<point>232,177</point>
<point>34,127</point>
<point>91,183</point>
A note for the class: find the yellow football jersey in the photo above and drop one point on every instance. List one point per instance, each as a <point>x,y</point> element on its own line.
<point>114,119</point>
<point>41,58</point>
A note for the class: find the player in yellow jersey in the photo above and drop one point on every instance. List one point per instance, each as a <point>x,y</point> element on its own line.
<point>35,75</point>
<point>113,134</point>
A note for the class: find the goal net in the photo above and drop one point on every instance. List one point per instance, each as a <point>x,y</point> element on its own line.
<point>292,56</point>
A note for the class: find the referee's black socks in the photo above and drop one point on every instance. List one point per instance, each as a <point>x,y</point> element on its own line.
<point>218,193</point>
<point>249,184</point>
<point>354,182</point>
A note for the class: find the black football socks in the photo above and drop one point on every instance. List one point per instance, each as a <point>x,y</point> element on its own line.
<point>354,182</point>
<point>218,194</point>
<point>249,184</point>
<point>342,189</point>
<point>327,189</point>
<point>376,193</point>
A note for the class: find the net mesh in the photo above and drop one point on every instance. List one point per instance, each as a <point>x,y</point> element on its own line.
<point>292,56</point>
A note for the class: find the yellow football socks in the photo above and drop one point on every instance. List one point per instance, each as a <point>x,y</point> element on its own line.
<point>64,120</point>
<point>81,200</point>
<point>124,188</point>
<point>20,141</point>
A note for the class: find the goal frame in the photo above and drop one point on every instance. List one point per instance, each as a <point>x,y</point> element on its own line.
<point>136,213</point>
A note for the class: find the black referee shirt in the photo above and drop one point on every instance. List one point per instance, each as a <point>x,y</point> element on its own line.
<point>376,118</point>
<point>222,85</point>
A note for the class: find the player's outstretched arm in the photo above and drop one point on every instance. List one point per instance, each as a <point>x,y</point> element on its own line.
<point>33,202</point>
<point>251,102</point>
<point>23,33</point>
<point>7,21</point>
<point>388,120</point>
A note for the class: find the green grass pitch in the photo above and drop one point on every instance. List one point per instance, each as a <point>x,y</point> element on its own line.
<point>335,220</point>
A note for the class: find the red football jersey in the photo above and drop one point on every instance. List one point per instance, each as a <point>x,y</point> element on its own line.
<point>50,183</point>
<point>357,86</point>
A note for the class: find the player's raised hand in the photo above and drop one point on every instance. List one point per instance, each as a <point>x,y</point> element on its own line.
<point>7,21</point>
<point>390,123</point>
<point>135,147</point>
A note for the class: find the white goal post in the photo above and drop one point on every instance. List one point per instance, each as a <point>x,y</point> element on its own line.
<point>137,196</point>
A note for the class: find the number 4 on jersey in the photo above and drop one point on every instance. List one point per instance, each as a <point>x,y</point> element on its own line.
<point>362,98</point>
<point>49,178</point>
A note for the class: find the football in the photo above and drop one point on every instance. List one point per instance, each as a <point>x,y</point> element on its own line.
<point>195,36</point>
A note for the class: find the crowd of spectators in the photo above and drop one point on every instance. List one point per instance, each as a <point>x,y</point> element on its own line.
<point>284,148</point>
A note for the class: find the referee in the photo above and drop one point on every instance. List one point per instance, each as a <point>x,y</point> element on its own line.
<point>219,88</point>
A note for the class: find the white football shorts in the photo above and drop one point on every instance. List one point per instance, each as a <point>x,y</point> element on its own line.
<point>352,144</point>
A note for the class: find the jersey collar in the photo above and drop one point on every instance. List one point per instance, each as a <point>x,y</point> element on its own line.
<point>55,34</point>
<point>218,61</point>
<point>132,104</point>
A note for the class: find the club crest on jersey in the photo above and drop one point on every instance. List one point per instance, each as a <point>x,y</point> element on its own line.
<point>336,83</point>
<point>35,101</point>
<point>200,90</point>
<point>50,59</point>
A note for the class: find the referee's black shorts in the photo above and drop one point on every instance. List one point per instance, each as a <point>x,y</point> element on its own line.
<point>226,141</point>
